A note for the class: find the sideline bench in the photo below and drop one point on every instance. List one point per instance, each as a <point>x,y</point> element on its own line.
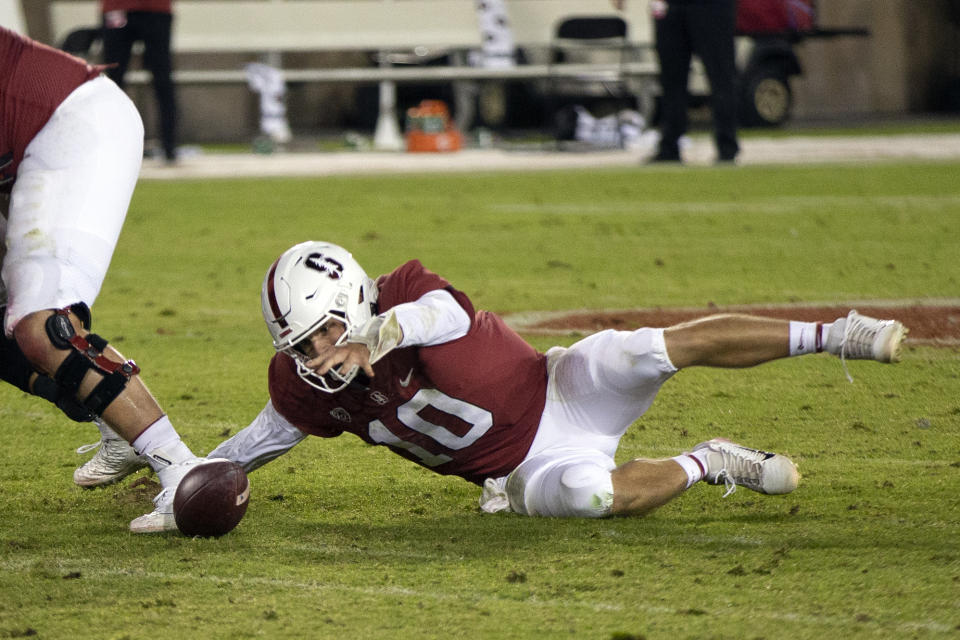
<point>422,27</point>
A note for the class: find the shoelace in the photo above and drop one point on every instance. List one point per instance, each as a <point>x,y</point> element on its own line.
<point>87,448</point>
<point>847,334</point>
<point>161,498</point>
<point>110,454</point>
<point>746,463</point>
<point>728,482</point>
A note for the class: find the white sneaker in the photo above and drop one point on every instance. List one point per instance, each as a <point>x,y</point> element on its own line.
<point>114,461</point>
<point>860,337</point>
<point>161,518</point>
<point>731,464</point>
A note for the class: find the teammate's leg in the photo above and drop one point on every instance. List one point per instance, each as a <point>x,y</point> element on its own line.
<point>113,461</point>
<point>66,211</point>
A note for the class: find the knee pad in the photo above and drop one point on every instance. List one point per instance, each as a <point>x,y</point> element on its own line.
<point>576,485</point>
<point>86,354</point>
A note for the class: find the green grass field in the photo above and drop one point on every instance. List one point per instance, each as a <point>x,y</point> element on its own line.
<point>344,541</point>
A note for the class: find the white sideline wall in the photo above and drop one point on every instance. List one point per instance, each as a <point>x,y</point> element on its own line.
<point>350,25</point>
<point>11,16</point>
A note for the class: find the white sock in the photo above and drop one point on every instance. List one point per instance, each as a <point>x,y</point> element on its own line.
<point>161,436</point>
<point>693,465</point>
<point>807,337</point>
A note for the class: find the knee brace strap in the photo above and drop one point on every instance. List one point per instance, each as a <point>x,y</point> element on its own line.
<point>87,355</point>
<point>46,388</point>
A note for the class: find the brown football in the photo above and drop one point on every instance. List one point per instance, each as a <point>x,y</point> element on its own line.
<point>211,499</point>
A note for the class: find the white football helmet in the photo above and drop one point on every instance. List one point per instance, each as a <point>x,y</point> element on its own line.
<point>309,285</point>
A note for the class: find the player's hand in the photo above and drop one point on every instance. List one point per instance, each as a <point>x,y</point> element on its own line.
<point>343,357</point>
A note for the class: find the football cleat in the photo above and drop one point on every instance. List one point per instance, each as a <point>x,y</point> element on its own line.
<point>860,337</point>
<point>161,518</point>
<point>114,461</point>
<point>734,465</point>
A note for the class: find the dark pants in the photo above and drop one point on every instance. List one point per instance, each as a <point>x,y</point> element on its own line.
<point>154,30</point>
<point>704,28</point>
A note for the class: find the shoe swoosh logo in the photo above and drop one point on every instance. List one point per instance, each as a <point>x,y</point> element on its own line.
<point>405,382</point>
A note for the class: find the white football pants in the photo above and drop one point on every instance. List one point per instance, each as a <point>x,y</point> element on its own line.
<point>596,389</point>
<point>70,199</point>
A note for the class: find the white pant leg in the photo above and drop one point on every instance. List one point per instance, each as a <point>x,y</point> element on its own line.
<point>562,482</point>
<point>596,389</point>
<point>70,199</point>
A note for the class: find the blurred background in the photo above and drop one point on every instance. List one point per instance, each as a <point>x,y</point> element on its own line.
<point>501,68</point>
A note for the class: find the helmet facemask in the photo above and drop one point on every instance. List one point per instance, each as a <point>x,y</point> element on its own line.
<point>310,285</point>
<point>302,352</point>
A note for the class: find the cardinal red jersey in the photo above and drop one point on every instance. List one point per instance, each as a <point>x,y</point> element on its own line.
<point>34,80</point>
<point>469,407</point>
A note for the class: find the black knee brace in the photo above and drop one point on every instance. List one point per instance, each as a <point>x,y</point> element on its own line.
<point>87,355</point>
<point>17,370</point>
<point>14,366</point>
<point>46,388</point>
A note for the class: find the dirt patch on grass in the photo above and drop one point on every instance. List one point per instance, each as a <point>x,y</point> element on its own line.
<point>936,324</point>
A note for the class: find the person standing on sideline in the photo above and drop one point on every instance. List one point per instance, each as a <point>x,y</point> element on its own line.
<point>704,28</point>
<point>151,22</point>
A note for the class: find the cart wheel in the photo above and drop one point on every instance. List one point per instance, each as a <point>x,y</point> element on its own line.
<point>767,98</point>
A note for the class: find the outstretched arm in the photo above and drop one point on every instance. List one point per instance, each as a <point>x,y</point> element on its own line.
<point>269,436</point>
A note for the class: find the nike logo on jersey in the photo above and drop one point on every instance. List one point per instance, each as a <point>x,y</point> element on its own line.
<point>405,382</point>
